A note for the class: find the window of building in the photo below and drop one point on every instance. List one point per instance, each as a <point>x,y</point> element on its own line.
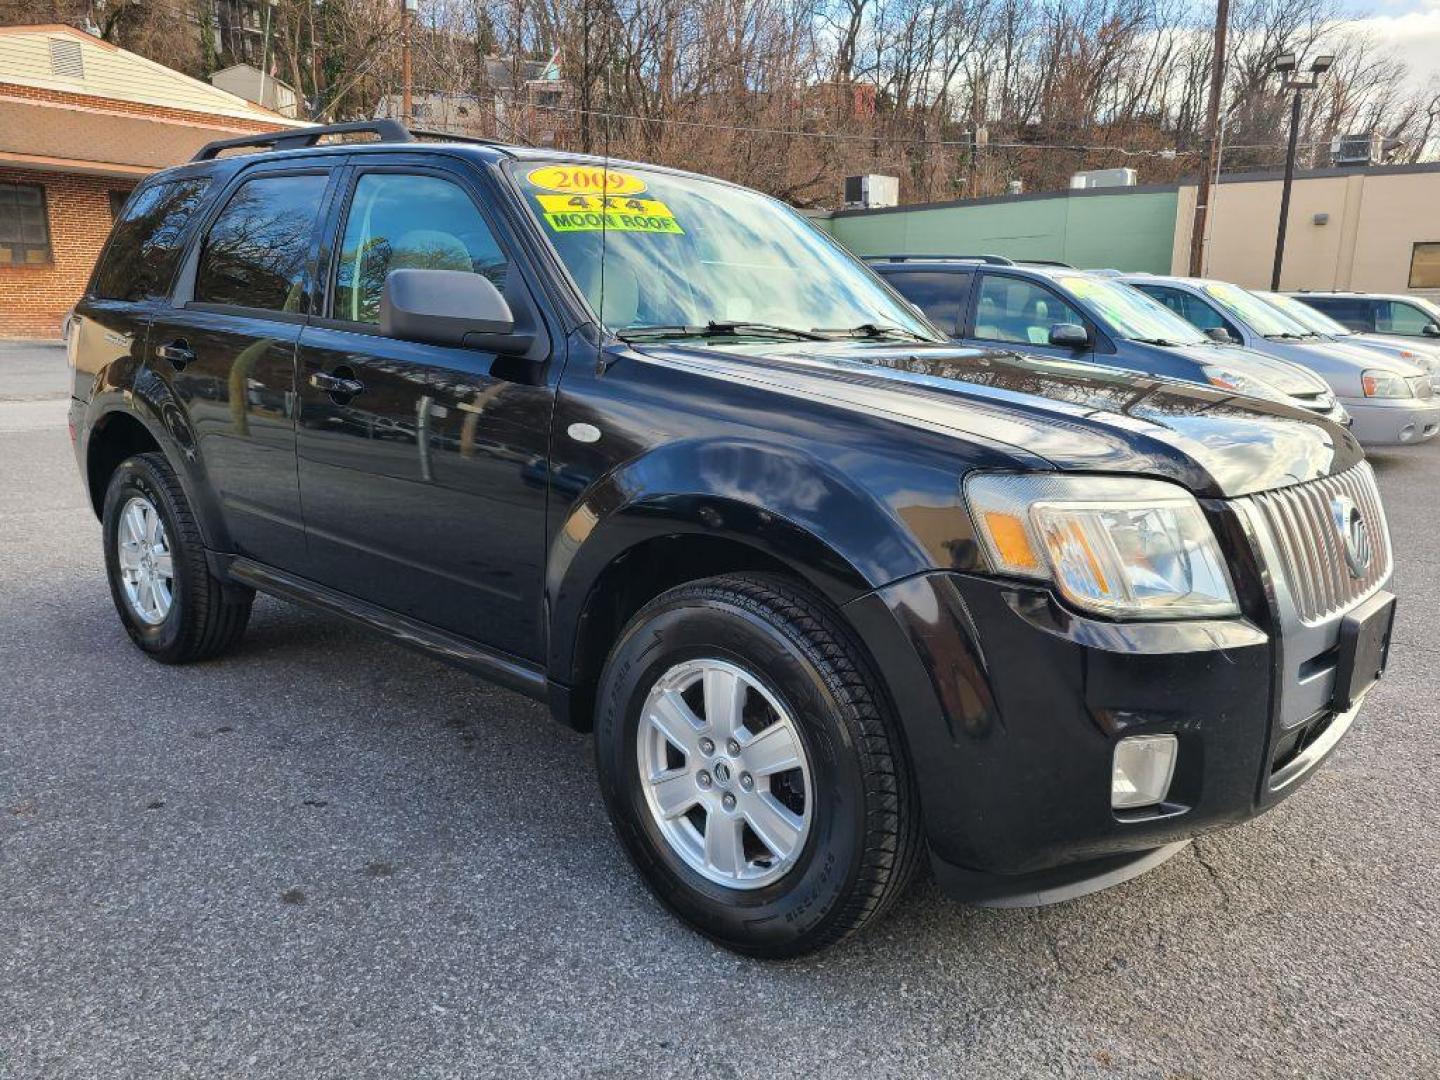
<point>256,253</point>
<point>1425,266</point>
<point>144,249</point>
<point>24,226</point>
<point>398,222</point>
<point>1013,310</point>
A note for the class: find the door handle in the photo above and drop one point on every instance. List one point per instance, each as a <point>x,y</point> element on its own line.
<point>336,385</point>
<point>178,352</point>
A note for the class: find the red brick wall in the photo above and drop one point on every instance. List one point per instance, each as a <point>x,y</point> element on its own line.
<point>34,298</point>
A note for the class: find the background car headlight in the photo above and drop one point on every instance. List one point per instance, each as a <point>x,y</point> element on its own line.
<point>1384,384</point>
<point>1118,546</point>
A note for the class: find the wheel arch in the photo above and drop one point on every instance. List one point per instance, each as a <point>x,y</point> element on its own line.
<point>146,418</point>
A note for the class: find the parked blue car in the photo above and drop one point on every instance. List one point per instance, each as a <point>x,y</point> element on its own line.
<point>1059,311</point>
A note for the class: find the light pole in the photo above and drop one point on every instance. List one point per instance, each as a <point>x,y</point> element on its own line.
<point>1286,64</point>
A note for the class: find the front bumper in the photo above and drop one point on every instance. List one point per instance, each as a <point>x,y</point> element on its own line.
<point>1013,745</point>
<point>1393,421</point>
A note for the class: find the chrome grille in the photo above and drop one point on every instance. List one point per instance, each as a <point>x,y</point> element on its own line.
<point>1311,547</point>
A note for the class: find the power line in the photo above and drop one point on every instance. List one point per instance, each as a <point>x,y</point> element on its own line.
<point>858,137</point>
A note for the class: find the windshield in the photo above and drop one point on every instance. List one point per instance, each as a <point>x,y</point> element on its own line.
<point>678,252</point>
<point>1249,308</point>
<point>1306,315</point>
<point>1129,312</point>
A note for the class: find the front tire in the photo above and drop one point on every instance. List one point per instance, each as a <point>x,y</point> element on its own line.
<point>745,704</point>
<point>170,604</point>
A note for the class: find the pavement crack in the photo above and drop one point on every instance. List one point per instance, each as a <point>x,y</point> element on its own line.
<point>1216,878</point>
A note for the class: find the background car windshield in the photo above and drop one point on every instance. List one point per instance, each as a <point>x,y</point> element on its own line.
<point>1130,313</point>
<point>685,251</point>
<point>1263,319</point>
<point>1306,316</point>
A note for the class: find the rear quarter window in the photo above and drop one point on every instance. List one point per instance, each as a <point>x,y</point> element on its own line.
<point>145,245</point>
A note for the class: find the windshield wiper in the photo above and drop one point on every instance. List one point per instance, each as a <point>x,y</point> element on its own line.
<point>1156,341</point>
<point>716,328</point>
<point>873,330</point>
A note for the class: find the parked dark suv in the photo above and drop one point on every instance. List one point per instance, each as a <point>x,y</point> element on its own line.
<point>832,592</point>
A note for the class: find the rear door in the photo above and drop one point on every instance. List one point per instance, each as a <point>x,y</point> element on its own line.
<point>424,486</point>
<point>943,295</point>
<point>227,348</point>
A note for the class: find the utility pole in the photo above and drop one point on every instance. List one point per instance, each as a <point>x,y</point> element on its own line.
<point>1286,63</point>
<point>407,15</point>
<point>1203,193</point>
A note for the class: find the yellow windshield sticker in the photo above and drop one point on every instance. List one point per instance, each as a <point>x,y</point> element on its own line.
<point>591,213</point>
<point>1078,285</point>
<point>586,180</point>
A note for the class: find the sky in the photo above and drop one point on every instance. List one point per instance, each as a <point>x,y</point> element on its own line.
<point>1410,27</point>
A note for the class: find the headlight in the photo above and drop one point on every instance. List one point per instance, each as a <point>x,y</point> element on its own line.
<point>1384,384</point>
<point>1241,384</point>
<point>1118,546</point>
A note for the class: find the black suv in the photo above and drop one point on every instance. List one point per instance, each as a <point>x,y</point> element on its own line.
<point>834,594</point>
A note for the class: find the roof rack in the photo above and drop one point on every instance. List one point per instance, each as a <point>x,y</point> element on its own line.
<point>1046,262</point>
<point>299,138</point>
<point>384,129</point>
<point>990,260</point>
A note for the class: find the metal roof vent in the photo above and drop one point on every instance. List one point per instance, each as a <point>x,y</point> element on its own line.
<point>67,60</point>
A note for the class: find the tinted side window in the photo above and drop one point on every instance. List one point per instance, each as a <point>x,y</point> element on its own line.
<point>1356,314</point>
<point>941,296</point>
<point>145,246</point>
<point>397,222</point>
<point>1013,310</point>
<point>256,252</point>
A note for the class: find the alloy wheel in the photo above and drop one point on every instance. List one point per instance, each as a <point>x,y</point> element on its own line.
<point>147,574</point>
<point>725,773</point>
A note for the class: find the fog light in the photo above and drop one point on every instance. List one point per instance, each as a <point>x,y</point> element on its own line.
<point>1144,765</point>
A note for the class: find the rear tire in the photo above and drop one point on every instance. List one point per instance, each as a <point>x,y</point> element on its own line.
<point>850,798</point>
<point>170,604</point>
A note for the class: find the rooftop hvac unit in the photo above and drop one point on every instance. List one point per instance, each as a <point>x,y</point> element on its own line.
<point>1361,149</point>
<point>1098,178</point>
<point>871,190</point>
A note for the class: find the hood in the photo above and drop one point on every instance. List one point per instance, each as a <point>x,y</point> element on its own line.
<point>1338,360</point>
<point>1063,414</point>
<point>1426,357</point>
<point>1284,376</point>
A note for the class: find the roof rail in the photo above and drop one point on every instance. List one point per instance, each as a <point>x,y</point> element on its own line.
<point>992,260</point>
<point>1046,262</point>
<point>298,138</point>
<point>450,136</point>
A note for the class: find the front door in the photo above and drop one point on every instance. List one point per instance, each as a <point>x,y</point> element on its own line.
<point>228,351</point>
<point>1014,312</point>
<point>422,467</point>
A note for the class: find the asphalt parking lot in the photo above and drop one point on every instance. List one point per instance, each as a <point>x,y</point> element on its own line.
<point>326,856</point>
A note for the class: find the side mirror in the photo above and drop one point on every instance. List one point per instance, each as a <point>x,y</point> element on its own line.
<point>1431,329</point>
<point>1069,336</point>
<point>1220,334</point>
<point>446,307</point>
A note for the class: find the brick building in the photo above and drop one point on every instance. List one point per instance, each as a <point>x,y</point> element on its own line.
<point>81,122</point>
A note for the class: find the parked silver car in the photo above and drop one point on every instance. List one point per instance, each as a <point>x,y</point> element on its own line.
<point>1393,314</point>
<point>1421,355</point>
<point>1391,400</point>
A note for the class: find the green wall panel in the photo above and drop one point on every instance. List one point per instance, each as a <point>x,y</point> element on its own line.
<point>1130,231</point>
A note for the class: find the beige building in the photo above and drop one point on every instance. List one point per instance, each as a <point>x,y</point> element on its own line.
<point>1375,229</point>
